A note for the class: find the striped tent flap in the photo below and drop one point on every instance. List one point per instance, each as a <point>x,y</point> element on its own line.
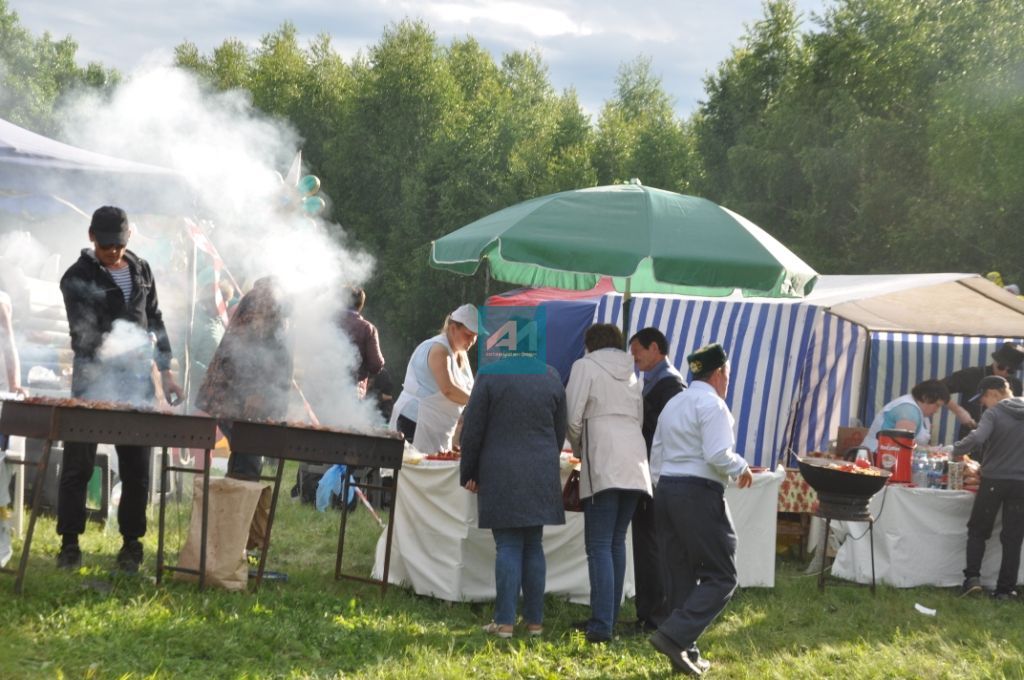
<point>830,392</point>
<point>898,361</point>
<point>777,352</point>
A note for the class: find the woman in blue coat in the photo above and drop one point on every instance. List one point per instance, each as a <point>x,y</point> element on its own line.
<point>512,434</point>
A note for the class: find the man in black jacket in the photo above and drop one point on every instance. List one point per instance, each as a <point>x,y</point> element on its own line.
<point>115,323</point>
<point>1006,361</point>
<point>662,381</point>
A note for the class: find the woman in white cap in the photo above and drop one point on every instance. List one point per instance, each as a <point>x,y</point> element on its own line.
<point>437,384</point>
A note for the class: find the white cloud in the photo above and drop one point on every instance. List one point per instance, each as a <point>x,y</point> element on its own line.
<point>538,20</point>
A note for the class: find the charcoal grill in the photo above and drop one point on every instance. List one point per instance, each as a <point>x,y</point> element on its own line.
<point>343,447</point>
<point>842,496</point>
<point>51,422</point>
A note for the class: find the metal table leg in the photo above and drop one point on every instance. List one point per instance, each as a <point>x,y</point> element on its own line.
<point>163,507</point>
<point>204,527</point>
<point>824,556</point>
<point>871,532</point>
<point>37,495</point>
<point>265,548</point>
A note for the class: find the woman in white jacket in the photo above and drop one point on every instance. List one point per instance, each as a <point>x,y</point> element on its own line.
<point>605,404</point>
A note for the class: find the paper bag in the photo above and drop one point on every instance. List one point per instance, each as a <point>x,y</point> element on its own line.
<point>232,505</point>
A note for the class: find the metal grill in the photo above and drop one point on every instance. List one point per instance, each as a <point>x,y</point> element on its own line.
<point>50,422</point>
<point>344,447</point>
<point>337,447</point>
<point>104,426</point>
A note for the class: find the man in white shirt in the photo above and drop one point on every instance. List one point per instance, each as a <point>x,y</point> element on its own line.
<point>692,459</point>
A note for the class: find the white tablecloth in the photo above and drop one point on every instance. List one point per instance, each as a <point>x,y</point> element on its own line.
<point>438,550</point>
<point>920,539</point>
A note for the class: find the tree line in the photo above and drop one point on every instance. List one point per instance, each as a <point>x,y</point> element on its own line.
<point>885,136</point>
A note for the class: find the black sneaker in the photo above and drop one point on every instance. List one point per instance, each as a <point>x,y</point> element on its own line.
<point>971,586</point>
<point>694,654</point>
<point>677,655</point>
<point>1005,595</point>
<point>129,559</point>
<point>69,557</point>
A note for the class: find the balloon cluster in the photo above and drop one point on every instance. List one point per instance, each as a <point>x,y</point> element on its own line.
<point>301,196</point>
<point>307,188</point>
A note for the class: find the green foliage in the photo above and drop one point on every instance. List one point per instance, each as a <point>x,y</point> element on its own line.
<point>36,72</point>
<point>888,140</point>
<point>639,135</point>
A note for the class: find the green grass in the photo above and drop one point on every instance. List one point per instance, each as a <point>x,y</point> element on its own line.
<point>93,624</point>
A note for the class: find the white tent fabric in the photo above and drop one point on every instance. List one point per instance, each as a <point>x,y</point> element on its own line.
<point>23,147</point>
<point>41,176</point>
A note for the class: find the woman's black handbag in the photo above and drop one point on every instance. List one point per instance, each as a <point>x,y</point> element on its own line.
<point>571,493</point>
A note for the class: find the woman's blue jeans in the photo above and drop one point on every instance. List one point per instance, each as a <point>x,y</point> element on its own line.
<point>519,565</point>
<point>606,518</point>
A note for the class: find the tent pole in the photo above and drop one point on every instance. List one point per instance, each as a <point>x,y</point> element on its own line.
<point>189,329</point>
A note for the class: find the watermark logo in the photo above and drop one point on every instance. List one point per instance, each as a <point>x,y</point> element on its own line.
<point>512,340</point>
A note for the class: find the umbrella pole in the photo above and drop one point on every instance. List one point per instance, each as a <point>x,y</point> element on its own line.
<point>487,280</point>
<point>627,307</point>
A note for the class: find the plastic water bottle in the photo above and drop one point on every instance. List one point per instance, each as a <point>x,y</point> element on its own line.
<point>935,475</point>
<point>920,469</point>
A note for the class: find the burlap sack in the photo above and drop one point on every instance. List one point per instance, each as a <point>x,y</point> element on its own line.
<point>232,505</point>
<point>258,528</point>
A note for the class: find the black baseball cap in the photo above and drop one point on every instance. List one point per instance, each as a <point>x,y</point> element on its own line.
<point>991,382</point>
<point>109,226</point>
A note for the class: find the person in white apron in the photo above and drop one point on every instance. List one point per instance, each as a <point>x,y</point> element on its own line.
<point>437,384</point>
<point>911,412</point>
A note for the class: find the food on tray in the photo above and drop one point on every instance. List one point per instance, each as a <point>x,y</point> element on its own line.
<point>444,455</point>
<point>860,467</point>
<point>86,403</point>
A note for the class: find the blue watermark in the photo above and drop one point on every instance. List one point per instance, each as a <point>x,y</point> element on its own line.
<point>512,340</point>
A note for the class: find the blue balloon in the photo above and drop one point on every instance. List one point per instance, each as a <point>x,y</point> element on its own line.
<point>313,205</point>
<point>308,185</point>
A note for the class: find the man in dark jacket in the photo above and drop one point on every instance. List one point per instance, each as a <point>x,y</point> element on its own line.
<point>1006,361</point>
<point>1001,432</point>
<point>363,335</point>
<point>115,323</point>
<point>662,381</point>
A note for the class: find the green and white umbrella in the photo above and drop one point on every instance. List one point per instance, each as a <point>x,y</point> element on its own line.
<point>648,240</point>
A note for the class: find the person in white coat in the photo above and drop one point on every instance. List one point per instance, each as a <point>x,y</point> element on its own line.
<point>437,384</point>
<point>606,411</point>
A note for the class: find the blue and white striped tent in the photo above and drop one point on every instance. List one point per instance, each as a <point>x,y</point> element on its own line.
<point>803,368</point>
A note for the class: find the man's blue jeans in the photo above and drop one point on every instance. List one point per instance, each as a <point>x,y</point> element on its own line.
<point>606,517</point>
<point>519,565</point>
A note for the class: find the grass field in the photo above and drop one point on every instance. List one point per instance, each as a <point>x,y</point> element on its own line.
<point>95,624</point>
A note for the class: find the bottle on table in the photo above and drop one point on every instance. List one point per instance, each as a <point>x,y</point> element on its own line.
<point>935,474</point>
<point>919,468</point>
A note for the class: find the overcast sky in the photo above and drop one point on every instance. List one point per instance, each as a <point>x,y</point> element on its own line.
<point>583,42</point>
